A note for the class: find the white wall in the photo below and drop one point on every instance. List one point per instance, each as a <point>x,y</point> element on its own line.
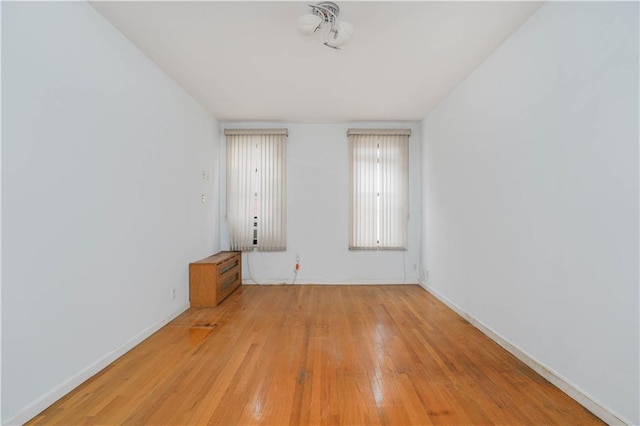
<point>531,197</point>
<point>102,160</point>
<point>317,213</point>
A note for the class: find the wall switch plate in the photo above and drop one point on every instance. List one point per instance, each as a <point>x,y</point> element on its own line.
<point>173,293</point>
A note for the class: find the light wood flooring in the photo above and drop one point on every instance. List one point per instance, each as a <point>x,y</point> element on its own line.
<point>357,355</point>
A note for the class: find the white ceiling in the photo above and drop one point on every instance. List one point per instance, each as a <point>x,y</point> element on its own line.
<point>247,61</point>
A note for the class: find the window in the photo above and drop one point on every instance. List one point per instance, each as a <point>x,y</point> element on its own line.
<point>379,189</point>
<point>256,189</point>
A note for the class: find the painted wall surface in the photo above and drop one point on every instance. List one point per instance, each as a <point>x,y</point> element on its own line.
<point>102,161</point>
<point>531,196</point>
<point>318,213</point>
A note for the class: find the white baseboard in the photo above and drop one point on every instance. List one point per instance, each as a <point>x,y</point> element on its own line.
<point>67,386</point>
<point>583,398</point>
<point>249,281</point>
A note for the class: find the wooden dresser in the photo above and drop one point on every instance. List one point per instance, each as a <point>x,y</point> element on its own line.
<point>214,278</point>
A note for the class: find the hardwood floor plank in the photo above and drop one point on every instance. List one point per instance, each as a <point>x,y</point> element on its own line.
<point>318,355</point>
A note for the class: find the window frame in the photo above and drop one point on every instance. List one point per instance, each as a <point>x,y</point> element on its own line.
<point>256,189</point>
<point>371,225</point>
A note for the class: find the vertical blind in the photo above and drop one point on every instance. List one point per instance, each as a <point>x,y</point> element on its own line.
<point>256,189</point>
<point>379,194</point>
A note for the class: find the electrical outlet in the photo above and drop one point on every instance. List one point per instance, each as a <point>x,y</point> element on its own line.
<point>424,275</point>
<point>173,293</point>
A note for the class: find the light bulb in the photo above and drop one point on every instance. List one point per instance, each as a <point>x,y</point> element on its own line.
<point>345,32</point>
<point>307,24</point>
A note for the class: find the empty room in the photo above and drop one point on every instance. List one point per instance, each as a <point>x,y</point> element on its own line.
<point>320,212</point>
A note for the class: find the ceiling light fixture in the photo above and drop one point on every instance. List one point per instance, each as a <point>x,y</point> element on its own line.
<point>323,20</point>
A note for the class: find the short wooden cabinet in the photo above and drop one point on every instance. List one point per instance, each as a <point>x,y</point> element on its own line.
<point>214,278</point>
